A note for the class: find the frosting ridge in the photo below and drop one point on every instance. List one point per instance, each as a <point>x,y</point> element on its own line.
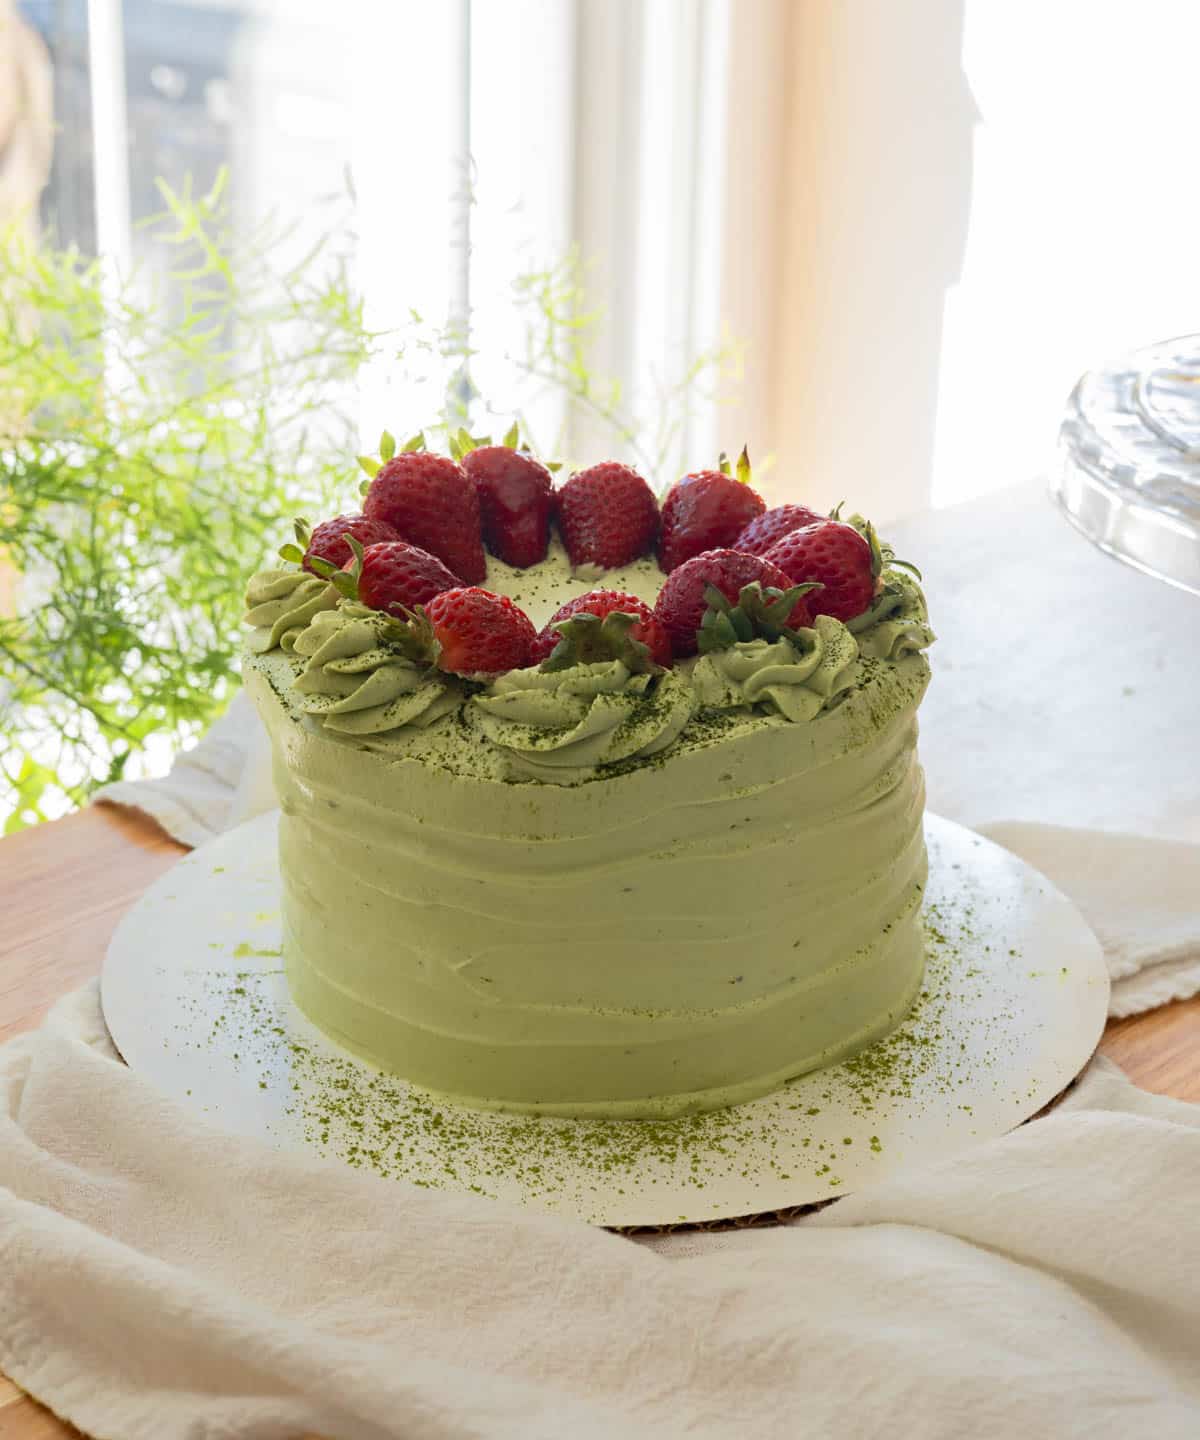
<point>897,624</point>
<point>280,603</point>
<point>796,677</point>
<point>356,683</point>
<point>561,725</point>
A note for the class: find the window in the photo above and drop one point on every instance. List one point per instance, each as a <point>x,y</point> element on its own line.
<point>483,141</point>
<point>923,221</point>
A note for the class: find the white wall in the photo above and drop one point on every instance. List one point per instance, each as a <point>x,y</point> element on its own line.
<point>1084,222</point>
<point>876,176</point>
<point>977,201</point>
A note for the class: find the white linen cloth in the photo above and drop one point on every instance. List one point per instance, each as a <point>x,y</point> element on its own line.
<point>160,1280</point>
<point>1140,894</point>
<point>222,781</point>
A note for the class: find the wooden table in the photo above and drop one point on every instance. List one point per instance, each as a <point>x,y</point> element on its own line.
<point>63,887</point>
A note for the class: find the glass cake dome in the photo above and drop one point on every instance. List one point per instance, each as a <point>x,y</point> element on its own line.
<point>1129,476</point>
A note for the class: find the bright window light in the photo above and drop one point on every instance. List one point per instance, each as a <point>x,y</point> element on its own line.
<point>1083,222</point>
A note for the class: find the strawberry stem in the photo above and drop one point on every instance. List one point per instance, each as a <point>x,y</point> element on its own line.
<point>413,636</point>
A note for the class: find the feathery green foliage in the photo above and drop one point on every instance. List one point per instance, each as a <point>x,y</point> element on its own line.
<point>155,443</point>
<point>151,447</point>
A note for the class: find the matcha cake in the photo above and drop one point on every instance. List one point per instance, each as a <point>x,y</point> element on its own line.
<point>590,806</point>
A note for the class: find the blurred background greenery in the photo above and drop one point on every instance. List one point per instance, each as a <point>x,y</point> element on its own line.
<point>157,435</point>
<point>148,451</point>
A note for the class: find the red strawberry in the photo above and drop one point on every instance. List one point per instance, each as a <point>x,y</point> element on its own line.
<point>480,633</point>
<point>397,576</point>
<point>608,515</point>
<point>326,542</point>
<point>601,603</point>
<point>681,603</point>
<point>846,563</point>
<point>706,511</point>
<point>515,500</point>
<point>761,533</point>
<point>432,503</point>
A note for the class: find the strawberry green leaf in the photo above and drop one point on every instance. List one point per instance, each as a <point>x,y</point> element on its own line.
<point>292,553</point>
<point>369,465</point>
<point>462,442</point>
<point>554,466</point>
<point>905,565</point>
<point>512,437</point>
<point>364,488</point>
<point>387,446</point>
<point>723,626</point>
<point>591,640</point>
<point>347,581</point>
<point>412,636</point>
<point>415,442</point>
<point>882,554</point>
<point>723,463</point>
<point>743,467</point>
<point>760,614</point>
<point>341,580</point>
<point>303,531</point>
<point>869,535</point>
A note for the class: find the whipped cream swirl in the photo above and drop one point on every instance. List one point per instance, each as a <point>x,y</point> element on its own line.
<point>796,678</point>
<point>355,683</point>
<point>563,725</point>
<point>897,624</point>
<point>280,603</point>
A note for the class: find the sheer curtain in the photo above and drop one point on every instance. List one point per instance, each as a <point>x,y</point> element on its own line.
<point>597,128</point>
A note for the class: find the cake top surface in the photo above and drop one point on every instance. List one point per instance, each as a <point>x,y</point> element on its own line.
<point>564,634</point>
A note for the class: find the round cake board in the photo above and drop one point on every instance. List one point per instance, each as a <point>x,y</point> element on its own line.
<point>1014,1002</point>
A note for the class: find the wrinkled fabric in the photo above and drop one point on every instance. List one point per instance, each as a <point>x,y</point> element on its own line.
<point>160,1279</point>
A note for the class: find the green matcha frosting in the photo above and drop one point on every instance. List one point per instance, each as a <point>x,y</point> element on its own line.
<point>561,726</point>
<point>796,678</point>
<point>897,624</point>
<point>356,683</point>
<point>280,603</point>
<point>739,908</point>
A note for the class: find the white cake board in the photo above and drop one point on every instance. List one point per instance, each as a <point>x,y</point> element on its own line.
<point>1015,1000</point>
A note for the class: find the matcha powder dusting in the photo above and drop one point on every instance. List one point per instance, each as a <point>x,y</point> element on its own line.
<point>809,1131</point>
